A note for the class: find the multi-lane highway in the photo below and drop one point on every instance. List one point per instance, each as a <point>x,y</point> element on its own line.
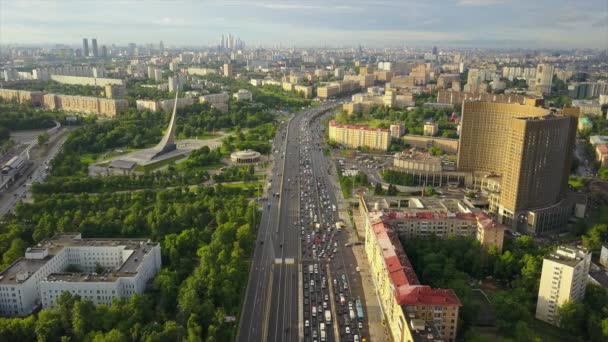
<point>303,284</point>
<point>270,311</point>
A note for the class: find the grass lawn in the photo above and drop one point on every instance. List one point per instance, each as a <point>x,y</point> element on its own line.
<point>249,185</point>
<point>346,153</point>
<point>207,136</point>
<point>577,182</point>
<point>159,164</point>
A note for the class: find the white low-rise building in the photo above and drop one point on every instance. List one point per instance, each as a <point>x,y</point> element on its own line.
<point>67,262</point>
<point>243,94</point>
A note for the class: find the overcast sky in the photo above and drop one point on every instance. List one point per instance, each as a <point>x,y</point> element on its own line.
<point>484,23</point>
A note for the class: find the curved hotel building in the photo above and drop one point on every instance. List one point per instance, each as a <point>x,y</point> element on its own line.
<point>530,149</point>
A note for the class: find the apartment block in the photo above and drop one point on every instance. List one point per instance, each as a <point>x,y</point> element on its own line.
<point>92,81</point>
<point>217,101</point>
<point>227,70</point>
<point>242,95</point>
<point>412,311</point>
<point>563,278</point>
<point>544,79</point>
<point>22,96</point>
<point>201,71</point>
<point>355,136</point>
<point>84,104</point>
<point>38,279</point>
<point>306,91</point>
<point>364,80</point>
<point>114,91</point>
<point>328,91</point>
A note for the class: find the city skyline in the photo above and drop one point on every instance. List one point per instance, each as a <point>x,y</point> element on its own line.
<point>458,23</point>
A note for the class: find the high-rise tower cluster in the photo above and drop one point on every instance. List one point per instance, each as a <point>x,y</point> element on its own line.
<point>230,42</point>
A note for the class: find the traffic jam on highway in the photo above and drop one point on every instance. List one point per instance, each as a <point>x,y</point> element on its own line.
<point>327,294</point>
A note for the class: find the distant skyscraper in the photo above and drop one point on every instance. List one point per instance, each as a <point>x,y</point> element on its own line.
<point>161,47</point>
<point>104,51</point>
<point>85,47</point>
<point>131,49</point>
<point>434,50</point>
<point>95,51</point>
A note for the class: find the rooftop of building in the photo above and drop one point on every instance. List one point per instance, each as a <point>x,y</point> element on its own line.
<point>357,126</point>
<point>602,148</point>
<point>568,255</point>
<point>25,267</point>
<point>598,139</point>
<point>418,156</point>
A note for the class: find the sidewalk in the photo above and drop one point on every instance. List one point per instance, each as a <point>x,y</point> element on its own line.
<point>374,312</point>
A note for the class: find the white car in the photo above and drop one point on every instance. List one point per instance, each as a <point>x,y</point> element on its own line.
<point>307,323</point>
<point>347,330</point>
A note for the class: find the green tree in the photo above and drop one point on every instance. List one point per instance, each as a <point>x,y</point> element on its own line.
<point>43,138</point>
<point>378,191</point>
<point>595,237</point>
<point>571,317</point>
<point>392,190</point>
<point>49,326</point>
<point>603,173</point>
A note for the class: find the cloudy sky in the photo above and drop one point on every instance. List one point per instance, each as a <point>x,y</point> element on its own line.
<point>483,23</point>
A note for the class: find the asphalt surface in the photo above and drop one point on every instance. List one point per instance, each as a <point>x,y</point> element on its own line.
<point>37,171</point>
<point>270,310</point>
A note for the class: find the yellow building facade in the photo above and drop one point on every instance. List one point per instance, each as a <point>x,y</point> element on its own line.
<point>355,136</point>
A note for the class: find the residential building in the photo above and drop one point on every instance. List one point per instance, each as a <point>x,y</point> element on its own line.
<point>458,97</point>
<point>39,278</point>
<point>175,83</point>
<point>563,278</point>
<point>92,81</point>
<point>201,71</point>
<point>355,136</point>
<point>158,75</point>
<point>588,107</point>
<point>598,139</point>
<point>242,95</point>
<point>113,91</point>
<point>430,128</point>
<point>22,96</point>
<point>84,104</point>
<point>584,90</point>
<point>328,92</point>
<point>364,80</point>
<point>407,305</point>
<point>227,70</point>
<point>531,148</point>
<point>601,152</point>
<point>305,91</point>
<point>217,101</point>
<point>397,130</point>
<point>544,79</point>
